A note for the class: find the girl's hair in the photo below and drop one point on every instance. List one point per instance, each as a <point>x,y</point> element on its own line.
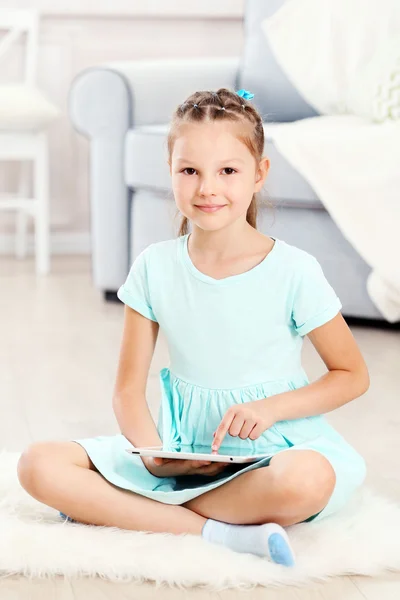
<point>222,105</point>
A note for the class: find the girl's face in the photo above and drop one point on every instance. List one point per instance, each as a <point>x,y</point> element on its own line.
<point>210,167</point>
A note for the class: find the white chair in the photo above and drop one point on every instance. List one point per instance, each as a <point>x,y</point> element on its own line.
<point>24,115</point>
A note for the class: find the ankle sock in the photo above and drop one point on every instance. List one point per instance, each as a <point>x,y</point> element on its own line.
<point>269,540</point>
<point>66,517</point>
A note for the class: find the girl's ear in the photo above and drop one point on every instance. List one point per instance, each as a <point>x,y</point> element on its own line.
<point>262,173</point>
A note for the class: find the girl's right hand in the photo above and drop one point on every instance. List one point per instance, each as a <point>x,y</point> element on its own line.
<point>170,467</point>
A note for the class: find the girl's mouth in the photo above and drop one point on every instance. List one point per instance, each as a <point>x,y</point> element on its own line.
<point>210,208</point>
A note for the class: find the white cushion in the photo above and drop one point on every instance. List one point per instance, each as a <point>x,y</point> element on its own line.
<point>24,107</point>
<point>374,91</point>
<point>321,44</point>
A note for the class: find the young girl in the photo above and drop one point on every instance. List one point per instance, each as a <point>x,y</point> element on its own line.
<point>234,305</point>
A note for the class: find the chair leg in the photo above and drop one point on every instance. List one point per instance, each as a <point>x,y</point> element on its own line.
<point>21,228</point>
<point>42,216</point>
<point>21,225</point>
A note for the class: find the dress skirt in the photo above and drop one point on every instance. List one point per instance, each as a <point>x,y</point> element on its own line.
<point>189,414</point>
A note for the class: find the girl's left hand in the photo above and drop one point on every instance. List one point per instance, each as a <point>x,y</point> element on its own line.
<point>248,420</point>
<point>169,467</point>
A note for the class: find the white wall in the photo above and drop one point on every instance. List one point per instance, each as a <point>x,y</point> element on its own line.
<point>80,34</point>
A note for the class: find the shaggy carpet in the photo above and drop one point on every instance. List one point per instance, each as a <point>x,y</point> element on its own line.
<point>364,538</point>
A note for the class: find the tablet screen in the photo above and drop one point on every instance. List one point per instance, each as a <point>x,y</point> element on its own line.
<point>199,449</point>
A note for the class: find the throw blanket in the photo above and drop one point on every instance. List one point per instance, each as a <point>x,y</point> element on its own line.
<point>354,167</point>
<point>343,56</point>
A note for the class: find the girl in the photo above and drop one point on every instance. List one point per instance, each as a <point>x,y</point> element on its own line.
<point>234,305</point>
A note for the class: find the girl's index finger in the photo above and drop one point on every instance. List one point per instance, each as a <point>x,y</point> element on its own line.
<point>221,431</point>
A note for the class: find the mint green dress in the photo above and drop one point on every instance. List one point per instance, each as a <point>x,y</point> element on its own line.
<point>230,341</point>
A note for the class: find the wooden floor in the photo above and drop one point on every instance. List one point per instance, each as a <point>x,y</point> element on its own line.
<point>58,355</point>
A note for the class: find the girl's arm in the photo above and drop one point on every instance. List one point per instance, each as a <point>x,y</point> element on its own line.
<point>347,378</point>
<point>129,398</point>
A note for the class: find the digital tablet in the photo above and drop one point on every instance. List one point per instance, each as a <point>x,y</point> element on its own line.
<point>195,452</point>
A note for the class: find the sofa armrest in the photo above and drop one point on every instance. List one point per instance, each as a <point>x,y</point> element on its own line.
<point>104,102</point>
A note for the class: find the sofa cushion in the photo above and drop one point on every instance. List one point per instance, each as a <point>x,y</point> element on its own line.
<point>275,96</point>
<point>146,167</point>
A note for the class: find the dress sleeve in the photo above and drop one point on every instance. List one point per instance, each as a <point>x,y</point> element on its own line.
<point>135,291</point>
<point>315,301</point>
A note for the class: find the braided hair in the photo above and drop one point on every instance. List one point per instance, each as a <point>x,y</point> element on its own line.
<point>222,105</point>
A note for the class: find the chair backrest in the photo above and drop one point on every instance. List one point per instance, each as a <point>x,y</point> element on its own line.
<point>275,96</point>
<point>18,22</point>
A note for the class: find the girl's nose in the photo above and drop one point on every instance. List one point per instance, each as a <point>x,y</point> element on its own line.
<point>208,188</point>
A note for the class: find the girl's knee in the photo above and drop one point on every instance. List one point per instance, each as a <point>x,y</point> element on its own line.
<point>305,476</point>
<point>38,459</point>
<point>32,463</point>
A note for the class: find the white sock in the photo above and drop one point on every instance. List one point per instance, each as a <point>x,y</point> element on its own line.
<point>269,540</point>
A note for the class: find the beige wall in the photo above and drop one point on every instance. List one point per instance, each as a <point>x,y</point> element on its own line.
<point>83,34</point>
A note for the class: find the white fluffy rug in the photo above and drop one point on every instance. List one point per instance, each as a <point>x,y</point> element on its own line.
<point>363,539</point>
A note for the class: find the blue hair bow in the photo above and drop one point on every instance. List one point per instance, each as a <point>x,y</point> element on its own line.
<point>245,94</point>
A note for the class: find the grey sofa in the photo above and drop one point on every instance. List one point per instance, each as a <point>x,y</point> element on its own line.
<point>124,109</point>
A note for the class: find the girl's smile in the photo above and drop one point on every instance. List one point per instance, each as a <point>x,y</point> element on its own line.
<point>210,207</point>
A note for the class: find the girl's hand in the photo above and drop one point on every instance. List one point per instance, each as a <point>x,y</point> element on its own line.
<point>170,467</point>
<point>247,420</point>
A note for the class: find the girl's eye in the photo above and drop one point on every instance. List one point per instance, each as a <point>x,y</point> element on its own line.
<point>225,169</point>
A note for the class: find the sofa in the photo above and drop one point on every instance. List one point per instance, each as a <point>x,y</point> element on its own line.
<point>124,108</point>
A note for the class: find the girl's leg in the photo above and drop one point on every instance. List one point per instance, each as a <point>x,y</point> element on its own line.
<point>61,475</point>
<point>296,485</point>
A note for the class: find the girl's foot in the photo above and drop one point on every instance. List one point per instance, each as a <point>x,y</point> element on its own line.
<point>66,518</point>
<point>269,540</point>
